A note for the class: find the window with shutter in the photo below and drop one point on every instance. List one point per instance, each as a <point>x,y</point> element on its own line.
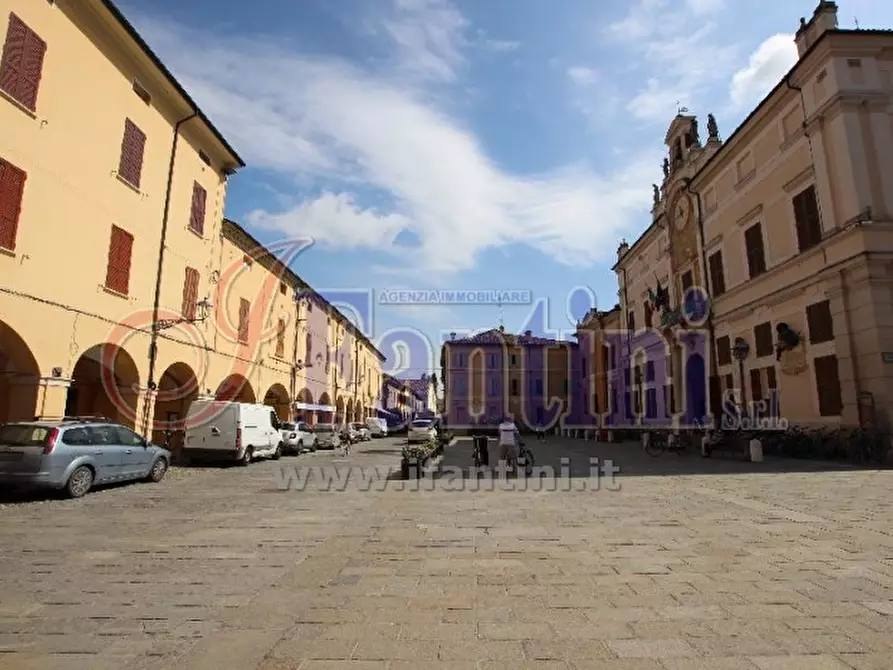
<point>762,335</point>
<point>772,387</point>
<point>648,315</point>
<point>21,65</point>
<point>117,276</point>
<point>717,275</point>
<point>631,321</point>
<point>756,254</point>
<point>806,219</point>
<point>827,382</point>
<point>820,322</point>
<point>197,213</point>
<point>309,346</point>
<point>723,350</point>
<point>244,315</point>
<point>12,188</point>
<point>133,146</point>
<point>190,294</point>
<point>280,338</point>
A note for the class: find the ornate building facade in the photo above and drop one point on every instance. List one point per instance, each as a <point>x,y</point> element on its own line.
<point>784,230</point>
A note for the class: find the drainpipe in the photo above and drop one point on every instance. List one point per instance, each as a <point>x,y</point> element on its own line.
<point>153,342</point>
<point>711,329</point>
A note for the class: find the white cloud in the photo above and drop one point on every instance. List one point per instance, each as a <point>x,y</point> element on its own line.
<point>765,68</point>
<point>379,135</point>
<point>682,61</point>
<point>582,76</point>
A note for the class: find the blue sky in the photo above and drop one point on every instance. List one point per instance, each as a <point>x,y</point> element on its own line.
<point>467,144</point>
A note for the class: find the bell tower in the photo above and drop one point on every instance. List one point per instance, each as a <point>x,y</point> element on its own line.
<point>682,137</point>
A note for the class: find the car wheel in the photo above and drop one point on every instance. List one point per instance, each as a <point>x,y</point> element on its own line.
<point>159,468</point>
<point>278,453</point>
<point>79,482</point>
<point>313,447</point>
<point>247,456</point>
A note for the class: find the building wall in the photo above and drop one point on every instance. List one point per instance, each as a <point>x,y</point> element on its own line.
<point>55,270</point>
<point>845,155</point>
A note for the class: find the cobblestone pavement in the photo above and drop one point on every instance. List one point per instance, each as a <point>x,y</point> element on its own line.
<point>746,566</point>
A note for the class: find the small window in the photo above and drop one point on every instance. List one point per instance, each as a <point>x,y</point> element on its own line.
<point>190,294</point>
<point>244,316</point>
<point>631,321</point>
<point>756,254</point>
<point>247,261</point>
<point>723,350</point>
<point>806,219</point>
<point>12,190</point>
<point>21,65</point>
<point>283,288</point>
<point>197,210</point>
<point>762,335</point>
<point>141,92</point>
<point>133,147</point>
<point>280,338</point>
<point>820,322</point>
<point>117,277</point>
<point>204,158</point>
<point>827,381</point>
<point>717,274</point>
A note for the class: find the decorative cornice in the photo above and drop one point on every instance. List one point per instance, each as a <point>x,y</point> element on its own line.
<point>796,184</point>
<point>750,216</point>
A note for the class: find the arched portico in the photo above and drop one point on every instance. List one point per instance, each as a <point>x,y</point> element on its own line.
<point>324,417</point>
<point>349,412</point>
<point>236,388</point>
<point>19,377</point>
<point>177,388</point>
<point>105,383</point>
<point>277,398</point>
<point>339,410</point>
<point>303,411</point>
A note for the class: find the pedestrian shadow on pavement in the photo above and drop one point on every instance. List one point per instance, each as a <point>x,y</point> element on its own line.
<point>575,458</point>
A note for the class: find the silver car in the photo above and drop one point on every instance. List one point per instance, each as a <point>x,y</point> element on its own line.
<point>75,454</point>
<point>328,436</point>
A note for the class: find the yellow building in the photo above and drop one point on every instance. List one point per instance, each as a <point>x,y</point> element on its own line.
<point>786,225</point>
<point>123,293</point>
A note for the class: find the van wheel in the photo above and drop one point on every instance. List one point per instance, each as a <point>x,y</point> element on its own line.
<point>247,456</point>
<point>313,446</point>
<point>79,482</point>
<point>278,453</point>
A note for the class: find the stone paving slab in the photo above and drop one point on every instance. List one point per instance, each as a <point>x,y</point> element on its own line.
<point>701,564</point>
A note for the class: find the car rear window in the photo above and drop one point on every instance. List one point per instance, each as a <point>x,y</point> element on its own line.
<point>288,426</point>
<point>421,424</point>
<point>23,435</point>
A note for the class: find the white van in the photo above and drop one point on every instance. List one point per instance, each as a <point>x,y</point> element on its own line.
<point>377,426</point>
<point>232,431</point>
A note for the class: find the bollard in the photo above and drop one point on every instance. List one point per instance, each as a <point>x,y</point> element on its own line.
<point>756,451</point>
<point>704,441</point>
<point>645,438</point>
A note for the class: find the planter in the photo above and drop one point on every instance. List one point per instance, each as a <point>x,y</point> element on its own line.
<point>411,468</point>
<point>415,458</point>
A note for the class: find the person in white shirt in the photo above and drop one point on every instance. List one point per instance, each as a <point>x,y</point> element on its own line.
<point>509,438</point>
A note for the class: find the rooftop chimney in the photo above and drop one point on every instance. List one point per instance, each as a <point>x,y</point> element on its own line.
<point>452,336</point>
<point>528,333</point>
<point>824,18</point>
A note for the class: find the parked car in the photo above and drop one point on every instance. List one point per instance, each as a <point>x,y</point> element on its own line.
<point>377,426</point>
<point>362,432</point>
<point>76,454</point>
<point>421,430</point>
<point>232,431</point>
<point>298,437</point>
<point>327,436</point>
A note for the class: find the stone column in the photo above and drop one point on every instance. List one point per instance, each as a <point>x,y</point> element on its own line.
<point>52,396</point>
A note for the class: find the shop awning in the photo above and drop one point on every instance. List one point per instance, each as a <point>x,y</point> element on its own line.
<point>314,408</point>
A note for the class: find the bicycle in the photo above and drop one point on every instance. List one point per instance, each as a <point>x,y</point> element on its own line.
<point>659,441</point>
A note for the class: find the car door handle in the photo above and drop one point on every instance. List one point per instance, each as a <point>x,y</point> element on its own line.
<point>129,451</point>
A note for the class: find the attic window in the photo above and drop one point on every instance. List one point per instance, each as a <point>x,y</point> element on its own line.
<point>205,158</point>
<point>283,288</point>
<point>140,90</point>
<point>246,261</point>
<point>821,76</point>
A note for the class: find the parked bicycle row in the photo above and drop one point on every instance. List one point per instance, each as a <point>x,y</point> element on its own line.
<point>855,445</point>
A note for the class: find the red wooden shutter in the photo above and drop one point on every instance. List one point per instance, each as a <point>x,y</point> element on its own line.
<point>12,187</point>
<point>280,338</point>
<point>197,215</point>
<point>133,147</point>
<point>32,69</point>
<point>190,293</point>
<point>244,315</point>
<point>117,276</point>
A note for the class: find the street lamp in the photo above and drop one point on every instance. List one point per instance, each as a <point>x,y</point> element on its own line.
<point>203,306</point>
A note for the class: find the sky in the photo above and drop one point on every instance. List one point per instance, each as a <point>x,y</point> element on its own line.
<point>474,145</point>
